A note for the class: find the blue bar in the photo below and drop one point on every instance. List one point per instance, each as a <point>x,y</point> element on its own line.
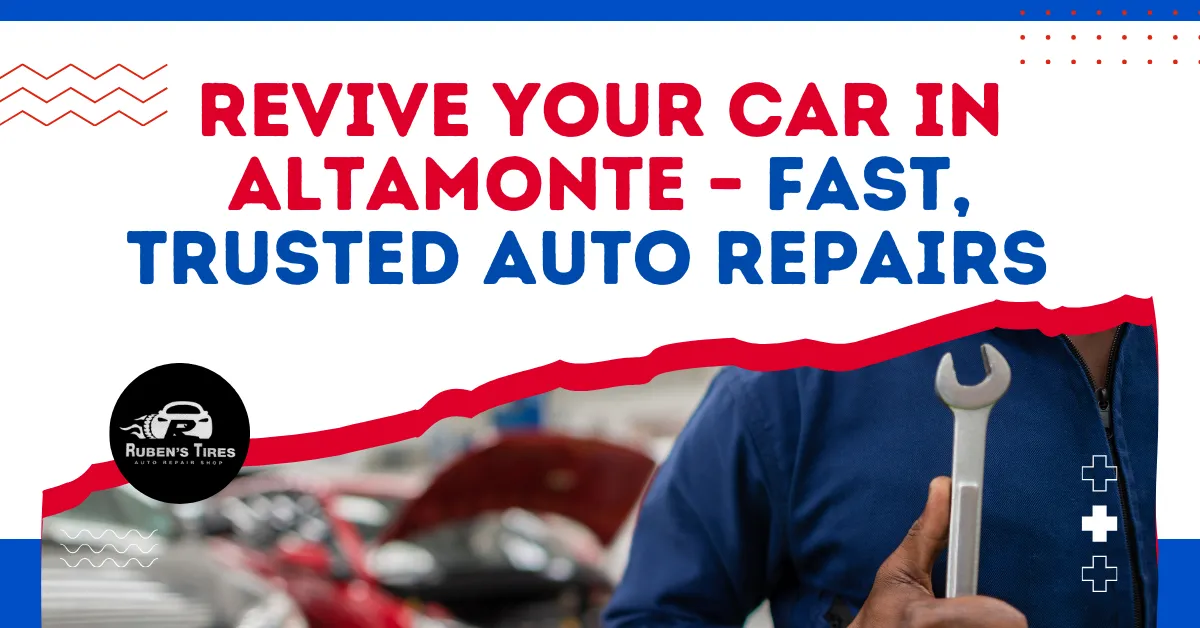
<point>21,583</point>
<point>610,10</point>
<point>1178,562</point>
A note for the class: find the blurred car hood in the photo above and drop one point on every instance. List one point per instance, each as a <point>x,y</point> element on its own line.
<point>593,482</point>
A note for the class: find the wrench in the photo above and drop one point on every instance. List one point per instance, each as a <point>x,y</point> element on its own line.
<point>971,406</point>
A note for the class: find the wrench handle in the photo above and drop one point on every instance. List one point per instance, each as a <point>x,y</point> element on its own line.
<point>966,502</point>
<point>963,560</point>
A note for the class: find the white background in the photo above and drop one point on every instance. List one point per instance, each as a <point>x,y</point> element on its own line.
<point>1098,159</point>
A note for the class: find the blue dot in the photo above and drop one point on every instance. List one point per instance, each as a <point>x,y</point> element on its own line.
<point>961,204</point>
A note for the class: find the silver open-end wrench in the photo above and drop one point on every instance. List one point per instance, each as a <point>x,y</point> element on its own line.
<point>971,406</point>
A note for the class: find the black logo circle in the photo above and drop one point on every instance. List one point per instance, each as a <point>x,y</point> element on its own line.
<point>179,433</point>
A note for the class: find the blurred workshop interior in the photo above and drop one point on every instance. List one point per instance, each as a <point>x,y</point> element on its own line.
<point>384,511</point>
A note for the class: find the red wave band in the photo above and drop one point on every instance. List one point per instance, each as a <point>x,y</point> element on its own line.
<point>635,371</point>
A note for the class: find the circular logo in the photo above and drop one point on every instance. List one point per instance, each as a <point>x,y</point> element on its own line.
<point>179,433</point>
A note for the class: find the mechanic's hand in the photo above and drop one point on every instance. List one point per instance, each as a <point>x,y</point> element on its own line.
<point>902,596</point>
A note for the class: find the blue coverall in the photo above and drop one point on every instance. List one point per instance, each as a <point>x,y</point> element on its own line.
<point>794,486</point>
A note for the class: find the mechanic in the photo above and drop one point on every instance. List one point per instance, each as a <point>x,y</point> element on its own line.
<point>801,487</point>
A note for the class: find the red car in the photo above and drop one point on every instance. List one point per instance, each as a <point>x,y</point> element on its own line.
<point>465,549</point>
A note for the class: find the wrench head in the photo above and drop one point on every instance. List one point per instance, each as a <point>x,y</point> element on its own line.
<point>981,395</point>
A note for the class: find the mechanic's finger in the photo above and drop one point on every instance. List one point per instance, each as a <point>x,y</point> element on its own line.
<point>928,536</point>
<point>963,612</point>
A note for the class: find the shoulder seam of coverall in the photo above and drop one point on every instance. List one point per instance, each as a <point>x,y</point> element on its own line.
<point>730,581</point>
<point>778,497</point>
<point>752,428</point>
<point>769,470</point>
<point>752,437</point>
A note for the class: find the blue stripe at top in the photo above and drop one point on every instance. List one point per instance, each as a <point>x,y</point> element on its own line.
<point>610,10</point>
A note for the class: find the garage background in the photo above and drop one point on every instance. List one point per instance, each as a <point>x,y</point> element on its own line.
<point>646,417</point>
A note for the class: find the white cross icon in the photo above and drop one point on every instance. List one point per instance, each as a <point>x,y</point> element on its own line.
<point>1100,523</point>
<point>1099,473</point>
<point>1101,574</point>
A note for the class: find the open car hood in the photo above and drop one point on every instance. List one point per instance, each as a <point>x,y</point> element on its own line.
<point>593,482</point>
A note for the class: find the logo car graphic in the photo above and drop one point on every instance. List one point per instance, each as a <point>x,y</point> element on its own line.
<point>178,418</point>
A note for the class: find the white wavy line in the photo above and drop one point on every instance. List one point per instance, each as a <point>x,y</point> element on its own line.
<point>114,562</point>
<point>106,546</point>
<point>107,531</point>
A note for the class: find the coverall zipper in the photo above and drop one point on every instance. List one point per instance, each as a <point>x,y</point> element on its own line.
<point>1104,405</point>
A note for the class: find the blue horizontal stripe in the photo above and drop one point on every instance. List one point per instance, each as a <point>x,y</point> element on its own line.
<point>612,10</point>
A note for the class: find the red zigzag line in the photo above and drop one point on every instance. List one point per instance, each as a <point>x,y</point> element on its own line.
<point>82,71</point>
<point>89,98</point>
<point>72,113</point>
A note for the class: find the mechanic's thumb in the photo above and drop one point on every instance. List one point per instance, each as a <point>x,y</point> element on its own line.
<point>927,538</point>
